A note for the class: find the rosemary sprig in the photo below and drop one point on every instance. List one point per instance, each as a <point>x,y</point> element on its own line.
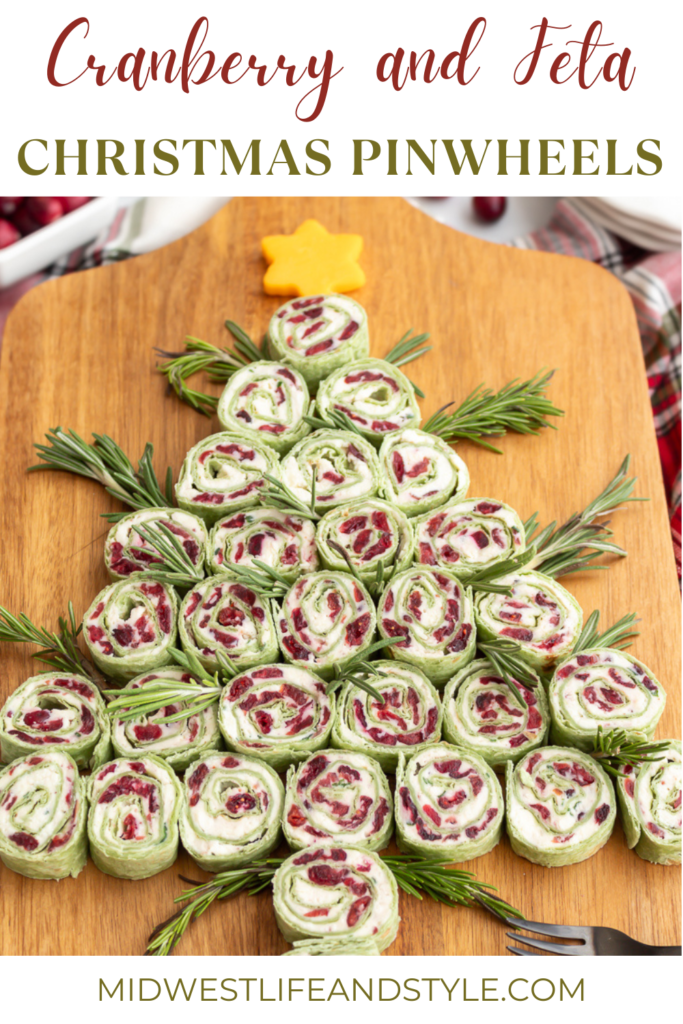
<point>58,650</point>
<point>614,750</point>
<point>264,580</point>
<point>336,419</point>
<point>253,879</point>
<point>220,363</point>
<point>571,547</point>
<point>407,349</point>
<point>519,406</point>
<point>485,579</point>
<point>360,663</point>
<point>196,696</point>
<point>415,875</point>
<point>618,636</point>
<point>173,566</point>
<point>505,658</point>
<point>279,494</point>
<point>418,875</point>
<point>107,463</point>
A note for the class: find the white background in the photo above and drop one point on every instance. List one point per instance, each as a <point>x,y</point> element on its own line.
<point>358,106</point>
<point>358,32</point>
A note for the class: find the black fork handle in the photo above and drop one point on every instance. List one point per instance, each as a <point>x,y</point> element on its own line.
<point>666,951</point>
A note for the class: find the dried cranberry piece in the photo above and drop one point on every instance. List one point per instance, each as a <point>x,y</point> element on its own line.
<point>524,635</point>
<point>602,813</point>
<point>353,524</point>
<point>486,508</point>
<point>240,803</point>
<point>356,630</point>
<point>24,840</point>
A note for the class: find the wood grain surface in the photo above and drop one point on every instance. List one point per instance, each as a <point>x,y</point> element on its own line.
<point>78,351</point>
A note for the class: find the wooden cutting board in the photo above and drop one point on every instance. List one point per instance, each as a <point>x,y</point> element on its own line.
<point>78,351</point>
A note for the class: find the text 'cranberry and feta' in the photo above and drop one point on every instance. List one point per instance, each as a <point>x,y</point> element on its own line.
<point>650,804</point>
<point>337,796</point>
<point>376,396</point>
<point>327,618</point>
<point>368,532</point>
<point>560,806</point>
<point>316,334</point>
<point>131,627</point>
<point>431,611</point>
<point>449,804</point>
<point>224,474</point>
<point>133,817</point>
<point>420,472</point>
<point>222,614</point>
<point>127,552</point>
<point>282,540</point>
<point>177,742</point>
<point>539,616</point>
<point>344,466</point>
<point>266,402</point>
<point>232,808</point>
<point>483,713</point>
<point>336,891</point>
<point>468,536</point>
<point>54,710</point>
<point>409,719</point>
<point>603,688</point>
<point>42,817</point>
<point>279,713</point>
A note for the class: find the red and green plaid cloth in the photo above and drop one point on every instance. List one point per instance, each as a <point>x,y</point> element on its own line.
<point>653,281</point>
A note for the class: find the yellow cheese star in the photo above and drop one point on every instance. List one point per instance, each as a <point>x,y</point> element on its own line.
<point>312,261</point>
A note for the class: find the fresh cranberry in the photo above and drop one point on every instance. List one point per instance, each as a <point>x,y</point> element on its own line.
<point>70,203</point>
<point>44,209</point>
<point>489,208</point>
<point>8,234</point>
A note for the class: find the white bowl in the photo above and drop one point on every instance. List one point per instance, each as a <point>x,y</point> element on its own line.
<point>44,246</point>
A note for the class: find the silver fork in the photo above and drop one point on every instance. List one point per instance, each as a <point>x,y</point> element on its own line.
<point>593,941</point>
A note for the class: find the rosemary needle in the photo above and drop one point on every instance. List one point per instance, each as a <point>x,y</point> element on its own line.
<point>519,406</point>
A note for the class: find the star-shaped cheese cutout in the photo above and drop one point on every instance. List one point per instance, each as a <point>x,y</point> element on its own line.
<point>312,261</point>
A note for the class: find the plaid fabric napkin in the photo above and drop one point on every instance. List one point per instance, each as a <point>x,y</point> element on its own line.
<point>654,284</point>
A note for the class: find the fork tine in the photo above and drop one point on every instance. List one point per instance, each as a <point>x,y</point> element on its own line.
<point>559,931</point>
<point>521,952</point>
<point>551,947</point>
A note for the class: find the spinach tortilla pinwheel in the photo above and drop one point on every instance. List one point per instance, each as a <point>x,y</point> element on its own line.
<point>541,618</point>
<point>177,742</point>
<point>334,947</point>
<point>266,402</point>
<point>449,804</point>
<point>222,614</point>
<point>432,612</point>
<point>344,465</point>
<point>376,396</point>
<point>284,541</point>
<point>483,713</point>
<point>337,796</point>
<point>420,471</point>
<point>56,710</point>
<point>336,892</point>
<point>42,817</point>
<point>224,474</point>
<point>327,618</point>
<point>560,806</point>
<point>650,804</point>
<point>318,333</point>
<point>279,713</point>
<point>409,719</point>
<point>127,552</point>
<point>469,535</point>
<point>603,687</point>
<point>231,813</point>
<point>368,532</point>
<point>133,817</point>
<point>131,627</point>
